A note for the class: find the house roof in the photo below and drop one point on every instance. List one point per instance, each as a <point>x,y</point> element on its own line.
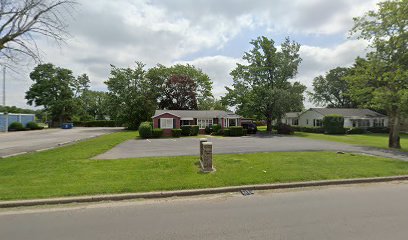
<point>348,112</point>
<point>292,114</point>
<point>197,113</point>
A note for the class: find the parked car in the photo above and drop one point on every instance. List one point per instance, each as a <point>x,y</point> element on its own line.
<point>250,127</point>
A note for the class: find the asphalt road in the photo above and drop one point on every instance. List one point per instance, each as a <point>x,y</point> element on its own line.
<point>376,211</point>
<point>20,142</point>
<point>249,144</point>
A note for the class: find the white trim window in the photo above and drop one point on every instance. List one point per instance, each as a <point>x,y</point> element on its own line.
<point>203,123</point>
<point>166,123</point>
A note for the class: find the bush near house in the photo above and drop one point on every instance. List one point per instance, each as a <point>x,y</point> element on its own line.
<point>33,126</point>
<point>244,132</point>
<point>157,132</point>
<point>186,130</point>
<point>309,129</point>
<point>236,131</point>
<point>284,129</point>
<point>217,129</point>
<point>356,131</point>
<point>176,132</point>
<point>16,126</point>
<point>145,130</point>
<point>195,129</point>
<point>226,132</point>
<point>208,130</point>
<point>333,124</point>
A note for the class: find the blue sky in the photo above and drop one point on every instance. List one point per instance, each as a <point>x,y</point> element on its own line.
<point>209,34</point>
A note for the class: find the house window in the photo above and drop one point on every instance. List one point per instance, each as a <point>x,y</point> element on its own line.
<point>295,122</point>
<point>363,123</point>
<point>203,123</point>
<point>378,122</point>
<point>307,121</point>
<point>166,123</point>
<point>317,122</point>
<point>185,122</point>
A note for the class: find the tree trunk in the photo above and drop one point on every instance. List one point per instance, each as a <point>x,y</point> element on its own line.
<point>394,124</point>
<point>269,123</point>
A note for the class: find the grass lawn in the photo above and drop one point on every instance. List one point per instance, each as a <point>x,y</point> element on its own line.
<point>69,171</point>
<point>372,140</point>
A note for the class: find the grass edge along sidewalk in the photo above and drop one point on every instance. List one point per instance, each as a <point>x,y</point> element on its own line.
<point>68,171</point>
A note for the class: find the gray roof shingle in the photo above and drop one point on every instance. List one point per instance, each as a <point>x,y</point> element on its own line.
<point>348,112</point>
<point>198,113</point>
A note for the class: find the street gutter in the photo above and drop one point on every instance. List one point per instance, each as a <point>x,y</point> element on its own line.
<point>193,192</point>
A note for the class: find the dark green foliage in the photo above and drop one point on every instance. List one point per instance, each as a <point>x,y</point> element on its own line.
<point>16,126</point>
<point>378,129</point>
<point>194,130</point>
<point>284,129</point>
<point>217,129</point>
<point>226,132</point>
<point>244,132</point>
<point>333,124</point>
<point>236,131</point>
<point>33,126</point>
<point>356,131</point>
<point>96,123</point>
<point>176,132</point>
<point>208,130</point>
<point>157,132</point>
<point>186,130</point>
<point>145,130</point>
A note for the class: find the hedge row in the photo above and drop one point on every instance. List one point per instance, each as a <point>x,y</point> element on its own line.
<point>233,131</point>
<point>334,124</point>
<point>96,123</point>
<point>17,126</point>
<point>191,130</point>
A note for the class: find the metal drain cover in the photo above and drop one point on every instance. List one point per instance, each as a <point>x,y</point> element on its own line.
<point>246,192</point>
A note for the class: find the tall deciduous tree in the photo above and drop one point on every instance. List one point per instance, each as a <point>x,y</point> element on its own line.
<point>53,88</point>
<point>262,88</point>
<point>160,77</point>
<point>381,80</point>
<point>332,89</point>
<point>179,93</point>
<point>132,97</point>
<point>22,20</point>
<point>213,104</point>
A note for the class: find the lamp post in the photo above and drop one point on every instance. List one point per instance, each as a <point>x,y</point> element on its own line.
<point>4,100</point>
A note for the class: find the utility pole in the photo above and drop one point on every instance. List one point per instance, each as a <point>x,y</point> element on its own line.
<point>4,101</point>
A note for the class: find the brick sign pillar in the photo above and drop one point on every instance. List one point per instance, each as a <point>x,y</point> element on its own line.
<point>202,140</point>
<point>206,162</point>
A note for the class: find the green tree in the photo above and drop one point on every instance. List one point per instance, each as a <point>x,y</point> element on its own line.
<point>53,89</point>
<point>262,88</point>
<point>381,80</point>
<point>93,105</point>
<point>332,89</point>
<point>161,75</point>
<point>132,97</point>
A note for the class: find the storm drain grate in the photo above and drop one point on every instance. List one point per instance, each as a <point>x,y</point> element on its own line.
<point>246,192</point>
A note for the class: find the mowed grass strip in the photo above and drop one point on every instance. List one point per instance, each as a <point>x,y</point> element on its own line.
<point>69,171</point>
<point>379,140</point>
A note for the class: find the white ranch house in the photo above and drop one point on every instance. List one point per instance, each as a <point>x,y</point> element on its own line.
<point>353,117</point>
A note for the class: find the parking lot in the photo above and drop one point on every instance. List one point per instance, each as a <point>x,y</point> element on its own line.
<point>223,145</point>
<point>14,143</point>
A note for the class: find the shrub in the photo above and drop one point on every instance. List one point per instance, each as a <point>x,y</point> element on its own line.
<point>217,129</point>
<point>176,132</point>
<point>236,131</point>
<point>208,130</point>
<point>157,132</point>
<point>333,124</point>
<point>226,132</point>
<point>378,129</point>
<point>145,130</point>
<point>33,126</point>
<point>284,129</point>
<point>356,131</point>
<point>16,126</point>
<point>194,130</point>
<point>186,130</point>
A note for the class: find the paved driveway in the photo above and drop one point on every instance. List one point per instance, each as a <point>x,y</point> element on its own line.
<point>247,144</point>
<point>21,142</point>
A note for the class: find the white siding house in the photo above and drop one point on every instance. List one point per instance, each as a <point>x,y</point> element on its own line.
<point>353,117</point>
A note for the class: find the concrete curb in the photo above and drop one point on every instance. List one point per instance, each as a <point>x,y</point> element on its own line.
<point>193,192</point>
